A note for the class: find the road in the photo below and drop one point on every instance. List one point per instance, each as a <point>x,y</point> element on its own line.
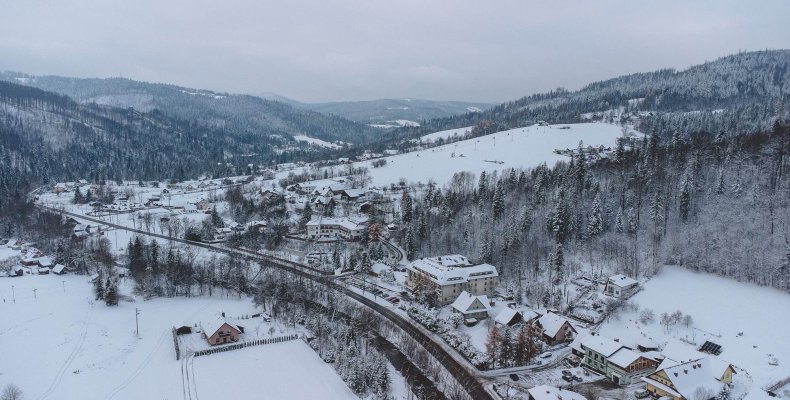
<point>466,377</point>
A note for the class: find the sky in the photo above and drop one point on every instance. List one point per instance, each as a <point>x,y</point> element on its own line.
<point>340,50</point>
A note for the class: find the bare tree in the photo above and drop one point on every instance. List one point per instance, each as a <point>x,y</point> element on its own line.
<point>12,392</point>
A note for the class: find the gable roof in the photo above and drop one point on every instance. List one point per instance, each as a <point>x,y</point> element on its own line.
<point>552,323</point>
<point>624,357</point>
<point>211,327</point>
<point>506,315</point>
<point>622,280</point>
<point>600,344</point>
<point>545,392</point>
<point>58,268</point>
<point>465,301</point>
<point>689,377</point>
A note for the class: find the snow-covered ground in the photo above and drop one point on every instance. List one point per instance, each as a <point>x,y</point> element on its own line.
<point>521,147</point>
<point>56,343</point>
<point>722,309</point>
<point>316,142</point>
<point>283,371</point>
<point>450,133</point>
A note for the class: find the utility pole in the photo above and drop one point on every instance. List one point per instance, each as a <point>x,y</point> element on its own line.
<point>34,293</point>
<point>136,324</point>
<point>13,296</point>
<point>64,286</point>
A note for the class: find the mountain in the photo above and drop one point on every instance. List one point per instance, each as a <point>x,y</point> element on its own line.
<point>744,92</point>
<point>47,137</point>
<point>237,115</point>
<point>385,111</point>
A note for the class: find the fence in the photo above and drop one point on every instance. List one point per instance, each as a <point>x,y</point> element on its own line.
<point>236,346</point>
<point>175,343</point>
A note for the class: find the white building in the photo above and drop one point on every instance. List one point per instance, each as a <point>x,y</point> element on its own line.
<point>450,275</point>
<point>344,228</point>
<point>621,286</point>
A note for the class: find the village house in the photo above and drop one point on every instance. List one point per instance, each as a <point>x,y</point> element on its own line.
<point>627,366</point>
<point>686,381</point>
<point>322,203</point>
<point>221,332</point>
<point>202,205</point>
<point>257,226</point>
<point>597,350</point>
<point>59,269</point>
<point>544,392</point>
<point>344,228</point>
<point>351,194</point>
<point>553,329</point>
<point>14,244</point>
<point>473,308</point>
<point>509,316</point>
<point>620,286</point>
<point>450,275</point>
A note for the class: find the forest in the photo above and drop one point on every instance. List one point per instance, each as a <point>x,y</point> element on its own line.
<point>710,202</point>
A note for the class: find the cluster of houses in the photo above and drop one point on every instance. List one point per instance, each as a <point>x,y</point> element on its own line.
<point>672,373</point>
<point>32,261</point>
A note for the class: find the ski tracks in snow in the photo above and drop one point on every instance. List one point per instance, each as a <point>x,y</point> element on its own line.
<point>74,353</point>
<point>139,368</point>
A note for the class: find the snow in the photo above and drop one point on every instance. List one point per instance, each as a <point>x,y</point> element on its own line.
<point>520,147</point>
<point>316,142</point>
<point>450,133</point>
<point>283,371</point>
<point>721,309</point>
<point>59,344</point>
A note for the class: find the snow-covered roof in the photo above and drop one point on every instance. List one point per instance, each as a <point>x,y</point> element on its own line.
<point>545,392</point>
<point>350,223</point>
<point>689,377</point>
<point>622,280</point>
<point>677,353</point>
<point>355,192</point>
<point>451,269</point>
<point>210,327</point>
<point>378,267</point>
<point>45,261</point>
<point>465,301</point>
<point>624,357</point>
<point>58,268</point>
<point>551,323</point>
<point>506,315</point>
<point>600,344</point>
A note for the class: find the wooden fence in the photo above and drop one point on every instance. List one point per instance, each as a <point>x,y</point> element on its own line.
<point>241,345</point>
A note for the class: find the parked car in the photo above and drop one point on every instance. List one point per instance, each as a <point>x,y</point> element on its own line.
<point>566,372</point>
<point>567,378</point>
<point>641,394</point>
<point>577,378</point>
<point>546,355</point>
<point>394,300</point>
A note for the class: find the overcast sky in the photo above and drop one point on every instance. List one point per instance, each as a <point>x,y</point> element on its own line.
<point>329,50</point>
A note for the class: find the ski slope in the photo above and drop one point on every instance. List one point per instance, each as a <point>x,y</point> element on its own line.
<point>520,147</point>
<point>722,309</point>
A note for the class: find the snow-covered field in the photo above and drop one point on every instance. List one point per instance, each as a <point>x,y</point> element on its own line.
<point>521,147</point>
<point>56,344</point>
<point>721,309</point>
<point>316,142</point>
<point>282,371</point>
<point>450,133</point>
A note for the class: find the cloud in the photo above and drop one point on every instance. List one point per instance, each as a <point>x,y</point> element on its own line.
<point>316,50</point>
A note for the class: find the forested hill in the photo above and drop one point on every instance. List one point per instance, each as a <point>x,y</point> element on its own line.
<point>47,137</point>
<point>236,115</point>
<point>744,92</point>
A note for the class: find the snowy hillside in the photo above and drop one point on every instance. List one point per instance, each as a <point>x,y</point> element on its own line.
<point>521,147</point>
<point>316,142</point>
<point>749,339</point>
<point>450,133</point>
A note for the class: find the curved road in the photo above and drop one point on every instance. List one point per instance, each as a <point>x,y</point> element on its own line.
<point>458,369</point>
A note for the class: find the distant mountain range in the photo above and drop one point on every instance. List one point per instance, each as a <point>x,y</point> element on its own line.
<point>237,115</point>
<point>386,112</point>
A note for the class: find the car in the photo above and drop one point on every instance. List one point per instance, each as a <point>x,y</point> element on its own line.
<point>546,355</point>
<point>538,362</point>
<point>513,377</point>
<point>394,300</point>
<point>641,394</point>
<point>567,378</point>
<point>577,378</point>
<point>566,372</point>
